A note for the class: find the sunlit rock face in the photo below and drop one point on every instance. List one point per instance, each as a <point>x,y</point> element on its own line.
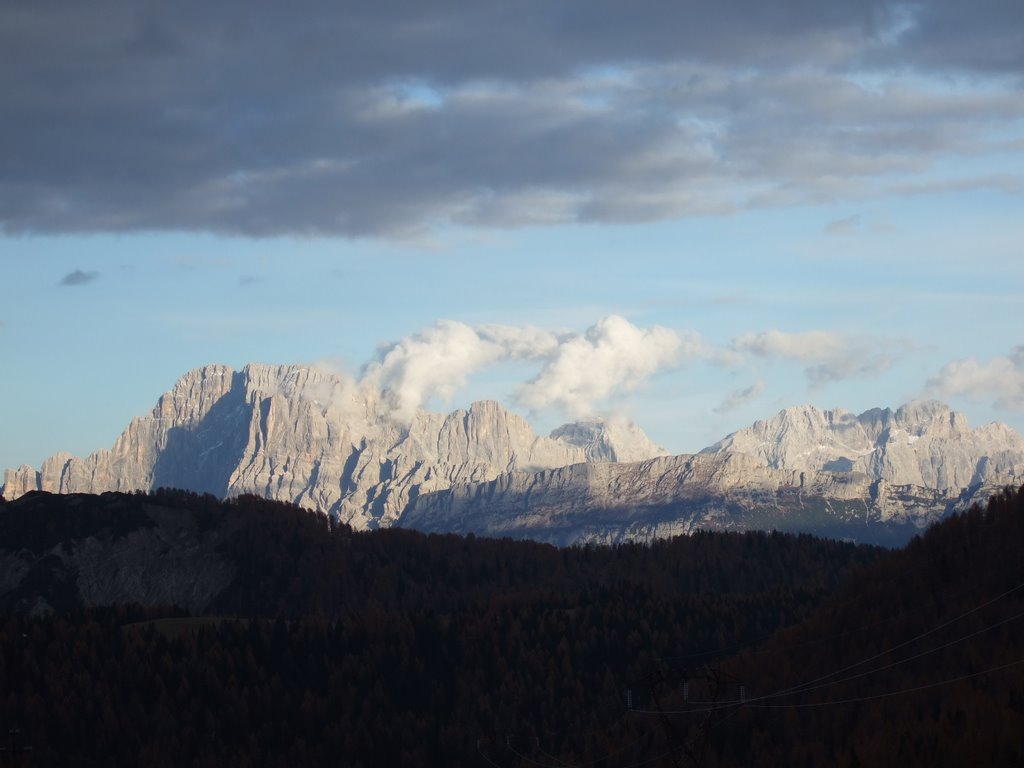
<point>320,440</point>
<point>879,477</point>
<point>923,443</point>
<point>304,435</point>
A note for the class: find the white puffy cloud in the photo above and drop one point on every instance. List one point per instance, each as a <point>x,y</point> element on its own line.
<point>613,356</point>
<point>438,360</point>
<point>578,371</point>
<point>1001,379</point>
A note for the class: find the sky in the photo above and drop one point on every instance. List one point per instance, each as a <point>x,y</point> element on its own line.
<point>687,214</point>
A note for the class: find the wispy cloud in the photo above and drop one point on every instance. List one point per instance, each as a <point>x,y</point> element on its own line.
<point>78,277</point>
<point>806,345</point>
<point>845,226</point>
<point>830,356</point>
<point>999,380</point>
<point>740,397</point>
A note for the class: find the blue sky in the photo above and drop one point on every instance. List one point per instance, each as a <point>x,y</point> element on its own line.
<point>694,217</point>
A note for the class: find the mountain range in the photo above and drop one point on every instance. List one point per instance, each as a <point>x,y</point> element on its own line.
<point>306,436</point>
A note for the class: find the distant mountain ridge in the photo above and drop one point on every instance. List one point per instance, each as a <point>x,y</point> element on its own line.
<point>923,443</point>
<point>878,477</point>
<point>306,436</point>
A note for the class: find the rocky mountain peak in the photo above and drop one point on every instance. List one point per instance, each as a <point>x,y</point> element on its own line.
<point>194,394</point>
<point>324,441</point>
<point>608,440</point>
<point>304,435</point>
<point>922,443</point>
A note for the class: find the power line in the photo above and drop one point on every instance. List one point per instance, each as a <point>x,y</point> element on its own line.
<point>485,757</point>
<point>562,762</point>
<point>908,658</point>
<point>756,703</point>
<point>889,650</point>
<point>899,692</point>
<point>812,684</point>
<point>904,573</point>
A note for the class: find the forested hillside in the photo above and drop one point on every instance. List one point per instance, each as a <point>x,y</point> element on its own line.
<point>919,661</point>
<point>330,647</point>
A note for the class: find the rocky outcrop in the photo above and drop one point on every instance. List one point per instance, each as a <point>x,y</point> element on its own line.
<point>63,553</point>
<point>303,435</point>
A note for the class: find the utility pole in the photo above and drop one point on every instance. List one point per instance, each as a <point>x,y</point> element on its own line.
<point>717,681</point>
<point>658,677</point>
<point>14,750</point>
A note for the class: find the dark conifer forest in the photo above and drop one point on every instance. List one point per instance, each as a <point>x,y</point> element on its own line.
<point>389,648</point>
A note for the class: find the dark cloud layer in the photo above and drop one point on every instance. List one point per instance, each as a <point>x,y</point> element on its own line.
<point>391,117</point>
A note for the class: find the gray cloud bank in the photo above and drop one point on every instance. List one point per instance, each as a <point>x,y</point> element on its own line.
<point>390,118</point>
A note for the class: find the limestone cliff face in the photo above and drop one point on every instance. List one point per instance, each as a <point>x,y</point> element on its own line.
<point>673,495</point>
<point>877,477</point>
<point>300,434</point>
<point>580,493</point>
<point>174,442</point>
<point>303,435</point>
